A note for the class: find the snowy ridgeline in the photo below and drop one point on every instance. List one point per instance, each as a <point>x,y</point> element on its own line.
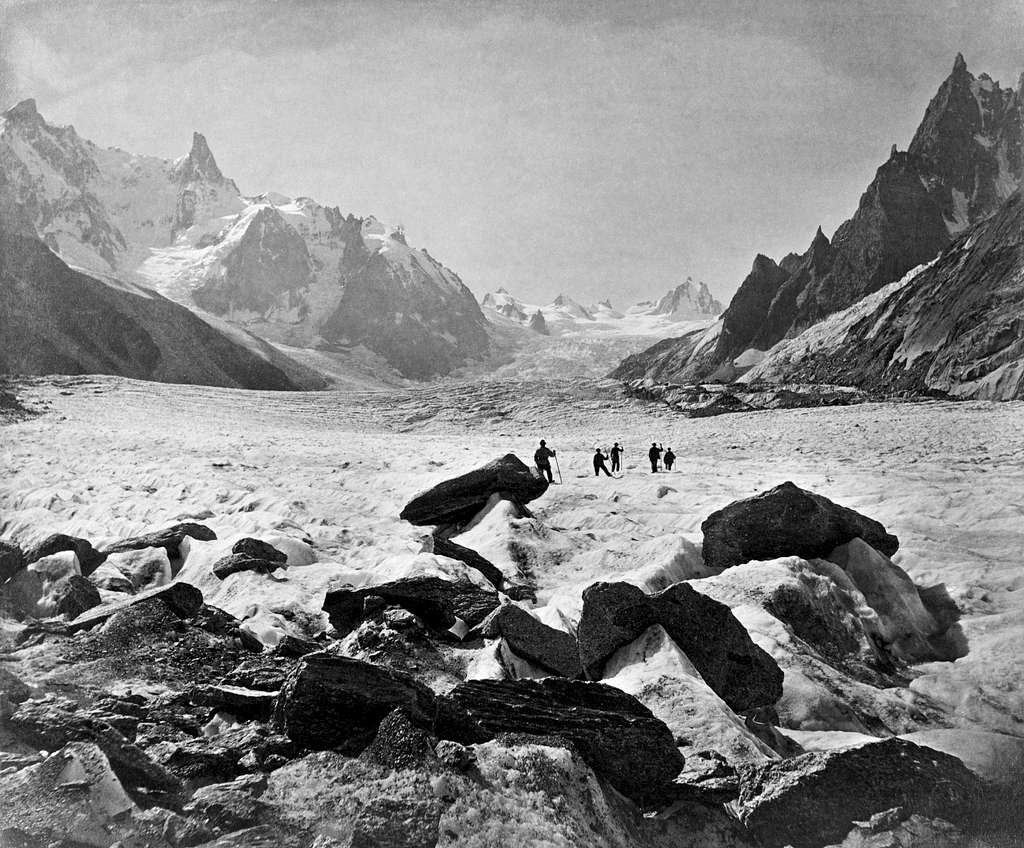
<point>821,643</point>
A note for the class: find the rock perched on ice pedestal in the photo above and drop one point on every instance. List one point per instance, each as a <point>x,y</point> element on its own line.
<point>331,701</point>
<point>786,521</point>
<point>50,586</point>
<point>526,637</point>
<point>169,539</point>
<point>12,559</point>
<point>814,799</point>
<point>437,601</point>
<point>616,734</point>
<point>184,599</point>
<point>88,557</point>
<point>457,500</point>
<point>615,614</point>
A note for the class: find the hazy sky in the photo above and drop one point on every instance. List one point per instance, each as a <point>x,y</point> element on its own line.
<point>603,149</point>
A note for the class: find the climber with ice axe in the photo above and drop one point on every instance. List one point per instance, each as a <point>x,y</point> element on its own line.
<point>542,458</point>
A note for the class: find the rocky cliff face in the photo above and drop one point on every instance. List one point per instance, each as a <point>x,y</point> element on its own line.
<point>955,327</point>
<point>963,162</point>
<point>56,320</point>
<point>289,270</point>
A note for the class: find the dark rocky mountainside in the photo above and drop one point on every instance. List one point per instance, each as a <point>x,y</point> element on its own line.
<point>56,320</point>
<point>962,164</point>
<point>957,327</point>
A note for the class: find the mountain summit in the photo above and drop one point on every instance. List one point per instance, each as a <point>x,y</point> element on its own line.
<point>964,161</point>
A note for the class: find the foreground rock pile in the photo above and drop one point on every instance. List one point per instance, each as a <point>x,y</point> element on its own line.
<point>441,706</point>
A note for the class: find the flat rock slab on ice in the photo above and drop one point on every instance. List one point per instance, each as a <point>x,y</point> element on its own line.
<point>184,599</point>
<point>554,650</point>
<point>616,734</point>
<point>169,539</point>
<point>814,799</point>
<point>457,500</point>
<point>786,521</point>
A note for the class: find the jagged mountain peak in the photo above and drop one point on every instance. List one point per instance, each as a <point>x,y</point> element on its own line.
<point>25,109</point>
<point>199,165</point>
<point>959,65</point>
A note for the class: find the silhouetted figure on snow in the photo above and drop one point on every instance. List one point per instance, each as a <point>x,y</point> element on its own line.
<point>542,459</point>
<point>654,454</point>
<point>616,453</point>
<point>599,465</point>
<point>669,459</point>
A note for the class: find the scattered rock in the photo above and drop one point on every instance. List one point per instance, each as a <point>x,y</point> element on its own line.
<point>184,599</point>
<point>439,602</point>
<point>324,687</point>
<point>51,723</point>
<point>894,829</point>
<point>454,755</point>
<point>400,744</point>
<point>531,639</point>
<point>452,550</point>
<point>108,577</point>
<point>242,703</point>
<point>457,500</point>
<point>615,614</point>
<point>259,550</point>
<point>12,559</point>
<point>225,807</point>
<point>13,688</point>
<point>786,521</point>
<point>234,563</point>
<point>614,733</point>
<point>89,558</point>
<point>146,568</point>
<point>814,799</point>
<point>75,596</point>
<point>168,539</point>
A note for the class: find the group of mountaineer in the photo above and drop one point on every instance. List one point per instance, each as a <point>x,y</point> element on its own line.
<point>543,455</point>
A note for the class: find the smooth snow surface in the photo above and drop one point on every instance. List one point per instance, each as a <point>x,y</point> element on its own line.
<point>330,472</point>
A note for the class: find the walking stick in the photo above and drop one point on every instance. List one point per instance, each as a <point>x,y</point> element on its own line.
<point>559,470</point>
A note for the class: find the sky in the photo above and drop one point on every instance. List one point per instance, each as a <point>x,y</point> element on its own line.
<point>600,149</point>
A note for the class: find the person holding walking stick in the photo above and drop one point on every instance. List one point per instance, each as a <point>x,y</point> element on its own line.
<point>542,459</point>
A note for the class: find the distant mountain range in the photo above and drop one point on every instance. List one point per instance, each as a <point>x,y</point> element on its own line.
<point>289,270</point>
<point>964,163</point>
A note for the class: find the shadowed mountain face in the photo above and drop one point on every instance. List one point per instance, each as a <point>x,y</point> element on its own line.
<point>964,161</point>
<point>956,327</point>
<point>56,320</point>
<point>287,269</point>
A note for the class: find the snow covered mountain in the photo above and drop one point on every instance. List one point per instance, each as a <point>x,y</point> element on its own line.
<point>686,301</point>
<point>290,270</point>
<point>955,326</point>
<point>964,161</point>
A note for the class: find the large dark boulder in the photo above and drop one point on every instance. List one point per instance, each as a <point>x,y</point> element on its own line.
<point>617,735</point>
<point>183,599</point>
<point>435,600</point>
<point>12,559</point>
<point>814,799</point>
<point>615,614</point>
<point>89,559</point>
<point>554,650</point>
<point>453,550</point>
<point>330,702</point>
<point>786,521</point>
<point>457,500</point>
<point>169,539</point>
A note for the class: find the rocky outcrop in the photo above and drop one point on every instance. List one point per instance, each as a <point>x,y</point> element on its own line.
<point>814,799</point>
<point>532,640</point>
<point>323,688</point>
<point>616,735</point>
<point>739,672</point>
<point>457,500</point>
<point>538,324</point>
<point>954,328</point>
<point>54,320</point>
<point>964,161</point>
<point>169,539</point>
<point>786,521</point>
<point>440,603</point>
